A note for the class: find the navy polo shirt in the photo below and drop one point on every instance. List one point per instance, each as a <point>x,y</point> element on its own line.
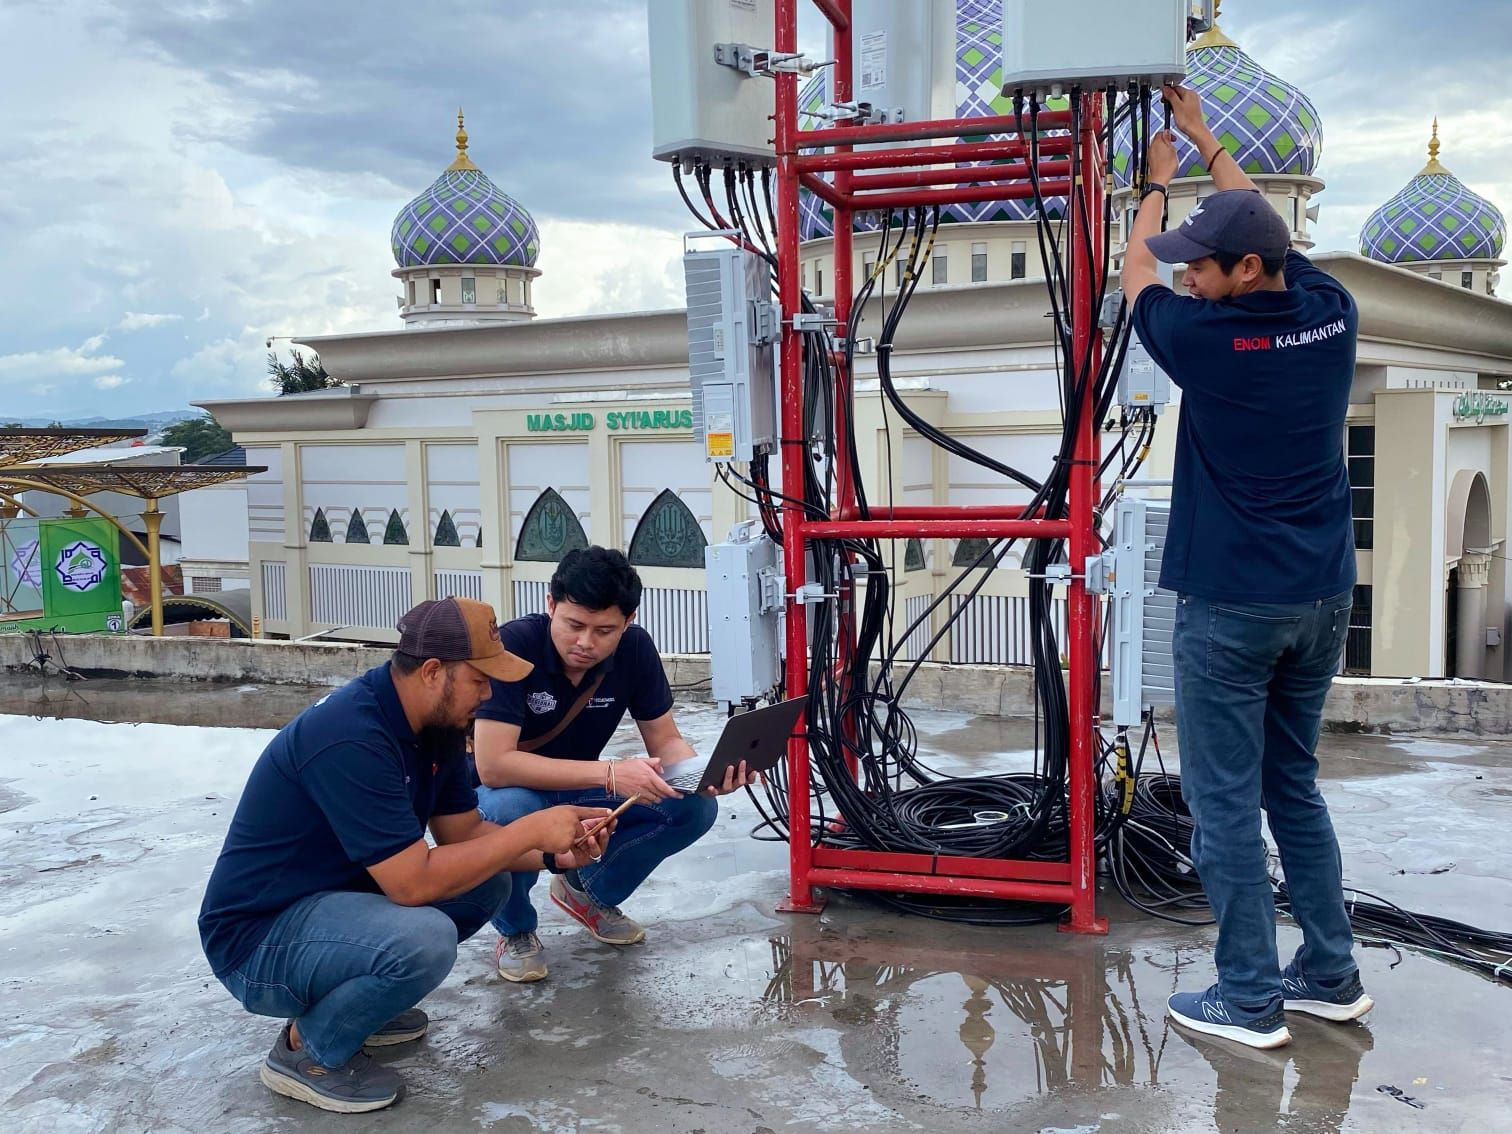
<point>633,680</point>
<point>1260,509</point>
<point>343,786</point>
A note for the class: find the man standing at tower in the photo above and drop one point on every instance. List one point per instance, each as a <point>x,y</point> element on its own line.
<point>1260,552</point>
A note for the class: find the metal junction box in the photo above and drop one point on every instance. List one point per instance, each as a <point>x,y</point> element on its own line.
<point>700,108</point>
<point>732,326</point>
<point>745,585</point>
<point>1143,616</point>
<point>1092,44</point>
<point>1141,383</point>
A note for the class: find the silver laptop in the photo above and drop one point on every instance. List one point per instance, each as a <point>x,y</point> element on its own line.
<point>759,738</point>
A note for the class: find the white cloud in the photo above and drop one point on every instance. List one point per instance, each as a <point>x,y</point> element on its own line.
<point>587,269</point>
<point>110,382</point>
<point>58,362</point>
<point>93,343</point>
<point>136,321</point>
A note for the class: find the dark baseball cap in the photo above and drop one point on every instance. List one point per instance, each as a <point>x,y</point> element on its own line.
<point>1236,221</point>
<point>460,629</point>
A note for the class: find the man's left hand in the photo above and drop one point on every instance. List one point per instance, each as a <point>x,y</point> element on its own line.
<point>735,779</point>
<point>1163,161</point>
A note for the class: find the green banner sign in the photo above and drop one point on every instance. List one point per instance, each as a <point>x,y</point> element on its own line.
<point>81,567</point>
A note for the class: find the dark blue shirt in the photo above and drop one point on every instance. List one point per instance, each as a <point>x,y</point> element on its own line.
<point>633,680</point>
<point>343,786</point>
<point>1260,511</point>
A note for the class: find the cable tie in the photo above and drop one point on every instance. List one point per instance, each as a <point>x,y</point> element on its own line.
<point>1503,969</point>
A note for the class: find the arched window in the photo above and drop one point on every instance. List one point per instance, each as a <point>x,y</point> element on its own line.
<point>668,535</point>
<point>393,533</point>
<point>968,551</point>
<point>446,532</point>
<point>357,528</point>
<point>550,530</point>
<point>320,530</point>
<point>913,556</point>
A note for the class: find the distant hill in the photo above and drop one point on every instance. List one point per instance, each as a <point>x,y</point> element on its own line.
<point>154,423</point>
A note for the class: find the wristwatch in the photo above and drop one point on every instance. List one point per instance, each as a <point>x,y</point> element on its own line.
<point>1154,185</point>
<point>548,860</point>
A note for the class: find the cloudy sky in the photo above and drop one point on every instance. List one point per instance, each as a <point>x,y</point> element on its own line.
<point>185,178</point>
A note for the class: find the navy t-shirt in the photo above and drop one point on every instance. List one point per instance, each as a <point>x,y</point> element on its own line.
<point>1260,511</point>
<point>343,786</point>
<point>633,680</point>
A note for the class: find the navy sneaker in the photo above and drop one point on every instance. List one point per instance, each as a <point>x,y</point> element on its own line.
<point>357,1086</point>
<point>410,1024</point>
<point>1337,1001</point>
<point>1210,1014</point>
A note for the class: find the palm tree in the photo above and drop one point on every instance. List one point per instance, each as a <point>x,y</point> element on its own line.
<point>298,376</point>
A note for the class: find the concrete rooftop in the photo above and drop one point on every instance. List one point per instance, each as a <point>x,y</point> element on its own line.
<point>731,1017</point>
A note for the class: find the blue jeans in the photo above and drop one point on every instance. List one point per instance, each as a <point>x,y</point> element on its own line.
<point>1251,679</point>
<point>647,834</point>
<point>344,963</point>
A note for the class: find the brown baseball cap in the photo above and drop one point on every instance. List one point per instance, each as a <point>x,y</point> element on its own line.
<point>460,629</point>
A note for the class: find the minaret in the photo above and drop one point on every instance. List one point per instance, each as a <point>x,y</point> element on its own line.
<point>465,250</point>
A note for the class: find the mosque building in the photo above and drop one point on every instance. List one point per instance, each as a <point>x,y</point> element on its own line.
<point>475,444</point>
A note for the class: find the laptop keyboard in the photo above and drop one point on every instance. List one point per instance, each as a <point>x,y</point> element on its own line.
<point>689,781</point>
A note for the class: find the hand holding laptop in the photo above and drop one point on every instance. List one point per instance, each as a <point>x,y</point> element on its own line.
<point>642,776</point>
<point>735,779</point>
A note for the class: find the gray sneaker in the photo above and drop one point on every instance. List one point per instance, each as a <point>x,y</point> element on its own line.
<point>607,923</point>
<point>357,1086</point>
<point>519,958</point>
<point>410,1024</point>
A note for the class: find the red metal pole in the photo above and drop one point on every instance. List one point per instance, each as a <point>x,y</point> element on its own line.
<point>1085,234</point>
<point>1053,892</point>
<point>792,451</point>
<point>935,128</point>
<point>822,189</point>
<point>913,198</point>
<point>1007,149</point>
<point>946,512</point>
<point>957,175</point>
<point>939,529</point>
<point>837,13</point>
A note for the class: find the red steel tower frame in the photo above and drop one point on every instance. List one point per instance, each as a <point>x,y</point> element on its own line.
<point>906,182</point>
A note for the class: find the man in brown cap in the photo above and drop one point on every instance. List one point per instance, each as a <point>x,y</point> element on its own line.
<point>327,905</point>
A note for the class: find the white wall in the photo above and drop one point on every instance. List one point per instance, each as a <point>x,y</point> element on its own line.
<point>265,495</point>
<point>451,479</point>
<point>649,467</point>
<point>343,478</point>
<point>537,466</point>
<point>215,525</point>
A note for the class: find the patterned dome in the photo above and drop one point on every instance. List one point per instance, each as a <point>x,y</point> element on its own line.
<point>979,93</point>
<point>464,218</point>
<point>1434,217</point>
<point>1265,122</point>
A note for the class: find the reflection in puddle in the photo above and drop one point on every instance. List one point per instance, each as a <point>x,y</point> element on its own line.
<point>995,1027</point>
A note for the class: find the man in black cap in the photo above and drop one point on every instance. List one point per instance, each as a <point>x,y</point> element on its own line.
<point>327,906</point>
<point>1260,552</point>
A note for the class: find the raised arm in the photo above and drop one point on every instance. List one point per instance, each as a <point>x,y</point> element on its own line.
<point>1187,115</point>
<point>1139,270</point>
